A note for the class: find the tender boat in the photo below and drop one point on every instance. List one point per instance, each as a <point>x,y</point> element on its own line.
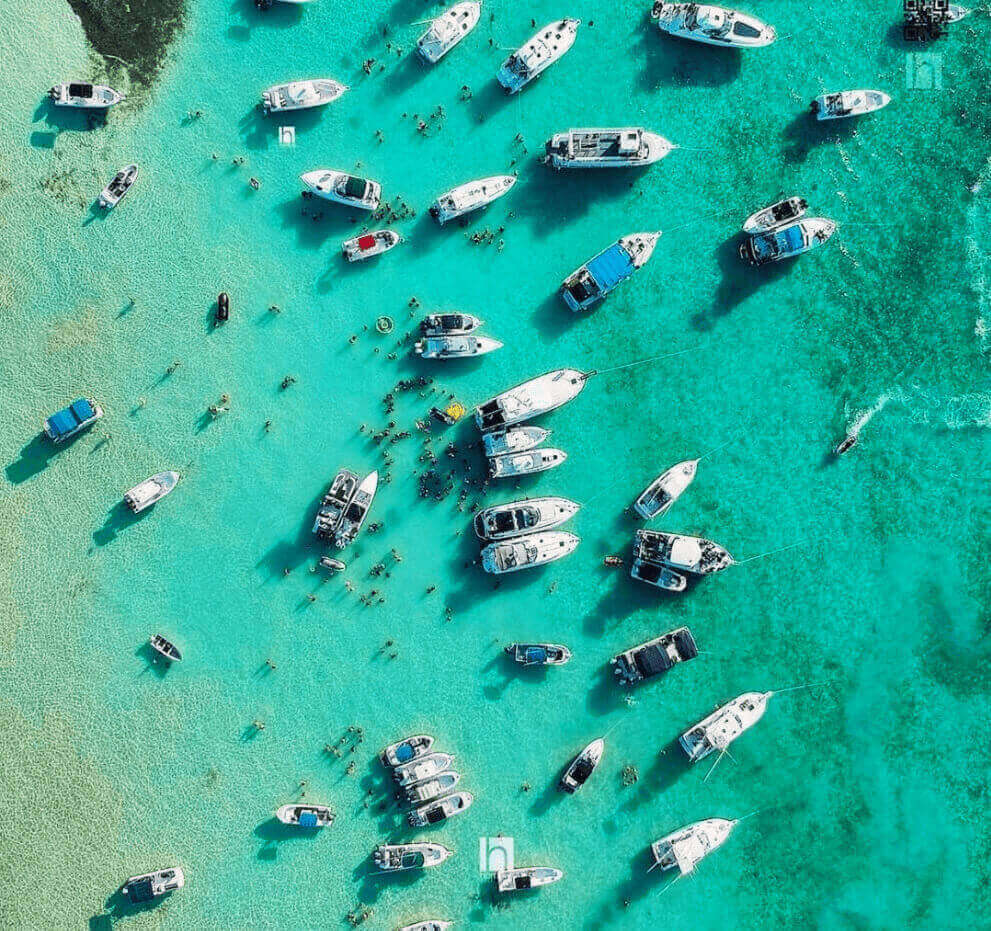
<point>395,857</point>
<point>370,244</point>
<point>66,423</point>
<point>121,183</point>
<point>845,445</point>
<point>306,816</point>
<point>955,13</point>
<point>628,147</point>
<point>535,549</point>
<point>658,576</point>
<point>787,241</point>
<point>335,503</point>
<point>449,324</point>
<point>514,441</point>
<point>712,25</point>
<point>724,725</point>
<point>532,59</point>
<point>844,104</point>
<point>447,30</point>
<point>473,195</point>
<point>87,96</point>
<point>166,647</point>
<point>441,810</point>
<point>686,846</point>
<point>302,95</point>
<point>223,311</point>
<point>407,750</point>
<point>654,657</point>
<point>432,787</point>
<point>514,465</point>
<point>356,511</point>
<point>150,490</point>
<point>531,515</point>
<point>423,767</point>
<point>599,276</point>
<point>661,493</point>
<point>431,924</point>
<point>539,654</point>
<point>582,766</point>
<point>148,886</point>
<point>532,398</point>
<point>779,214</point>
<point>342,188</point>
<point>528,877</point>
<point>334,565</point>
<point>682,553</point>
<point>455,347</point>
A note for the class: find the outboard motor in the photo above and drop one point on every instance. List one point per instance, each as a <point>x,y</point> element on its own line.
<point>223,308</point>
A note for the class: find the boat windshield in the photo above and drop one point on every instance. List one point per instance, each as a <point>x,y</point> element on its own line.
<point>504,522</point>
<point>354,187</point>
<point>80,90</point>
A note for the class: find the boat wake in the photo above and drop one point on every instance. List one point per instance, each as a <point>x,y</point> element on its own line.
<point>928,407</point>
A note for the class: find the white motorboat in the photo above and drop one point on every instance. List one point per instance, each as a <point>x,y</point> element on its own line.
<point>779,214</point>
<point>540,52</point>
<point>356,511</point>
<point>535,549</point>
<point>629,147</point>
<point>396,857</point>
<point>845,104</point>
<point>955,13</point>
<point>448,29</point>
<point>518,440</point>
<point>590,283</point>
<point>685,847</point>
<point>406,750</point>
<point>661,493</point>
<point>342,188</point>
<point>449,324</point>
<point>148,886</point>
<point>370,244</point>
<point>334,503</point>
<point>150,490</point>
<point>306,816</point>
<point>118,187</point>
<point>527,877</point>
<point>431,924</point>
<point>166,648</point>
<point>302,95</point>
<point>531,515</point>
<point>455,347</point>
<point>85,96</point>
<point>432,787</point>
<point>712,25</point>
<point>786,242</point>
<point>532,398</point>
<point>514,465</point>
<point>658,576</point>
<point>539,654</point>
<point>582,766</point>
<point>472,195</point>
<point>719,729</point>
<point>440,810</point>
<point>423,767</point>
<point>680,552</point>
<point>655,657</point>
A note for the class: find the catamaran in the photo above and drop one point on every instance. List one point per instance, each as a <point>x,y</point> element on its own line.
<point>712,25</point>
<point>448,29</point>
<point>334,503</point>
<point>680,552</point>
<point>356,511</point>
<point>685,847</point>
<point>472,195</point>
<point>532,398</point>
<point>590,283</point>
<point>654,657</point>
<point>514,465</point>
<point>582,766</point>
<point>628,147</point>
<point>539,53</point>
<point>786,242</point>
<point>844,104</point>
<point>302,95</point>
<point>85,96</point>
<point>534,549</point>
<point>719,729</point>
<point>342,188</point>
<point>531,515</point>
<point>661,493</point>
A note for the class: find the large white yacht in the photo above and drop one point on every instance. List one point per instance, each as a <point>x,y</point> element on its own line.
<point>535,549</point>
<point>629,147</point>
<point>540,52</point>
<point>685,847</point>
<point>531,515</point>
<point>719,729</point>
<point>531,399</point>
<point>712,25</point>
<point>342,188</point>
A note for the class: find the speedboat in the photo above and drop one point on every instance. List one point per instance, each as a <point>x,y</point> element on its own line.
<point>150,490</point>
<point>148,886</point>
<point>955,13</point>
<point>539,654</point>
<point>779,214</point>
<point>515,464</point>
<point>535,549</point>
<point>658,576</point>
<point>432,787</point>
<point>166,648</point>
<point>654,657</point>
<point>356,511</point>
<point>843,104</point>
<point>369,244</point>
<point>78,416</point>
<point>629,147</point>
<point>681,553</point>
<point>712,25</point>
<point>441,810</point>
<point>342,188</point>
<point>686,846</point>
<point>724,725</point>
<point>527,877</point>
<point>306,816</point>
<point>787,241</point>
<point>472,195</point>
<point>334,503</point>
<point>582,766</point>
<point>518,440</point>
<point>539,53</point>
<point>845,445</point>
<point>455,347</point>
<point>87,96</point>
<point>531,515</point>
<point>449,324</point>
<point>396,857</point>
<point>532,398</point>
<point>599,276</point>
<point>302,95</point>
<point>406,750</point>
<point>661,493</point>
<point>121,183</point>
<point>448,29</point>
<point>423,767</point>
<point>431,924</point>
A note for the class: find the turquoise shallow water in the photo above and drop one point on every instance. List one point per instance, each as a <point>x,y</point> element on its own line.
<point>868,790</point>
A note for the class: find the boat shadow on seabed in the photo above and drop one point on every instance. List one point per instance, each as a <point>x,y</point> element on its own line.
<point>119,518</point>
<point>669,60</point>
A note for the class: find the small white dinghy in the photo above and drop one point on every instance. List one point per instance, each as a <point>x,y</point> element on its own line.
<point>166,648</point>
<point>517,440</point>
<point>661,493</point>
<point>455,347</point>
<point>448,29</point>
<point>531,515</point>
<point>712,25</point>
<point>395,857</point>
<point>845,104</point>
<point>114,192</point>
<point>148,886</point>
<point>370,244</point>
<point>342,188</point>
<point>582,766</point>
<point>769,218</point>
<point>532,398</point>
<point>302,95</point>
<point>719,729</point>
<point>685,847</point>
<point>85,96</point>
<point>517,464</point>
<point>422,767</point>
<point>306,816</point>
<point>449,324</point>
<point>627,147</point>
<point>406,750</point>
<point>528,877</point>
<point>540,52</point>
<point>150,490</point>
<point>534,549</point>
<point>441,810</point>
<point>657,575</point>
<point>472,195</point>
<point>432,787</point>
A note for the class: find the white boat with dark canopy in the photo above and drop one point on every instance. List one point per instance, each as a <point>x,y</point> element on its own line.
<point>448,29</point>
<point>444,808</point>
<point>334,503</point>
<point>659,576</point>
<point>166,648</point>
<point>432,787</point>
<point>455,347</point>
<point>527,877</point>
<point>394,858</point>
<point>514,465</point>
<point>472,195</point>
<point>628,147</point>
<point>518,440</point>
<point>684,848</point>
<point>84,96</point>
<point>779,214</point>
<point>681,553</point>
<point>449,324</point>
<point>371,244</point>
<point>532,398</point>
<point>306,816</point>
<point>302,95</point>
<point>660,494</point>
<point>148,886</point>
<point>118,187</point>
<point>582,766</point>
<point>531,515</point>
<point>845,104</point>
<point>535,549</point>
<point>431,924</point>
<point>539,53</point>
<point>356,511</point>
<point>423,767</point>
<point>539,654</point>
<point>599,276</point>
<point>406,750</point>
<point>712,25</point>
<point>151,490</point>
<point>342,188</point>
<point>719,729</point>
<point>655,657</point>
<point>786,242</point>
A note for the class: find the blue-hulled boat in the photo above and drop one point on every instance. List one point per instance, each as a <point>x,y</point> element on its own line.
<point>75,418</point>
<point>596,278</point>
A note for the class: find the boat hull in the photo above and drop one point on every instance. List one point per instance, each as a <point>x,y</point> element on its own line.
<point>531,60</point>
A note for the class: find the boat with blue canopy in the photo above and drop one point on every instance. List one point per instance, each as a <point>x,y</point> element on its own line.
<point>787,241</point>
<point>66,423</point>
<point>306,816</point>
<point>605,272</point>
<point>539,654</point>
